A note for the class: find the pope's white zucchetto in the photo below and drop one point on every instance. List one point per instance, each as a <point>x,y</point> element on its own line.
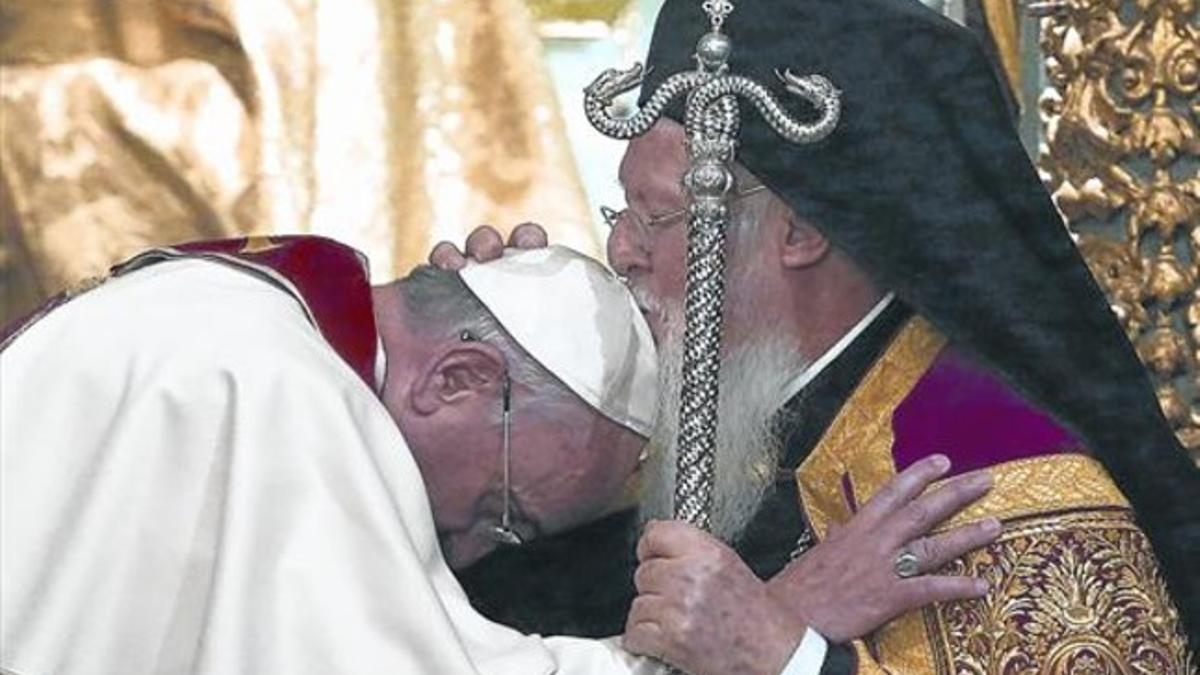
<point>576,319</point>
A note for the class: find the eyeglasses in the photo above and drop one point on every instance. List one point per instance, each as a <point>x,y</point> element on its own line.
<point>611,216</point>
<point>504,532</point>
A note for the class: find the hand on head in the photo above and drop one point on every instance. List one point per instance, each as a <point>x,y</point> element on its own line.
<point>485,243</point>
<point>700,608</point>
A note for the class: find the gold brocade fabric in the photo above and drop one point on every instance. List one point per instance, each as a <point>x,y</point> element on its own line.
<point>387,124</point>
<point>858,444</point>
<point>1077,593</point>
<point>1075,587</point>
<point>1031,486</point>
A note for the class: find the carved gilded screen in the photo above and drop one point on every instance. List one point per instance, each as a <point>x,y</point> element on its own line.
<point>1122,159</point>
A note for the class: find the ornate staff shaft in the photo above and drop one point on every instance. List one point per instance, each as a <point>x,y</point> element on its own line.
<point>711,121</point>
<point>711,132</point>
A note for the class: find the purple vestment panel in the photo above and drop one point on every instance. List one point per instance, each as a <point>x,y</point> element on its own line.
<point>963,411</point>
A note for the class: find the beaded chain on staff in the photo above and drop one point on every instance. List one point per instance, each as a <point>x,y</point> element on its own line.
<point>711,122</point>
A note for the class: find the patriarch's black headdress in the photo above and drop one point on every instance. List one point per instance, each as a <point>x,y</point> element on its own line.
<point>925,184</point>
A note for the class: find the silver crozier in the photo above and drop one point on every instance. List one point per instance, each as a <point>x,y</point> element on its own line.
<point>711,122</point>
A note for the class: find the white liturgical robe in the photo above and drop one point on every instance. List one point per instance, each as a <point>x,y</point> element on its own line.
<point>194,481</point>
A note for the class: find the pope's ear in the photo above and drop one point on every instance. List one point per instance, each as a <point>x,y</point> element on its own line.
<point>803,244</point>
<point>457,373</point>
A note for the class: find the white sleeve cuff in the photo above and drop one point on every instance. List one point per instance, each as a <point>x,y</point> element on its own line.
<point>809,655</point>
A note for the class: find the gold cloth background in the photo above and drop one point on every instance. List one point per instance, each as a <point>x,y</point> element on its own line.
<point>388,124</point>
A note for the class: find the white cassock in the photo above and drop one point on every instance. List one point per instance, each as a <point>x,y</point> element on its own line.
<point>204,486</point>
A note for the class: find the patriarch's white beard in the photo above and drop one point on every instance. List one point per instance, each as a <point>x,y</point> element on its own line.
<point>753,379</point>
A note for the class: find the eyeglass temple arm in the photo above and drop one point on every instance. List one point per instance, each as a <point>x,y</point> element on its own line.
<point>506,421</point>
